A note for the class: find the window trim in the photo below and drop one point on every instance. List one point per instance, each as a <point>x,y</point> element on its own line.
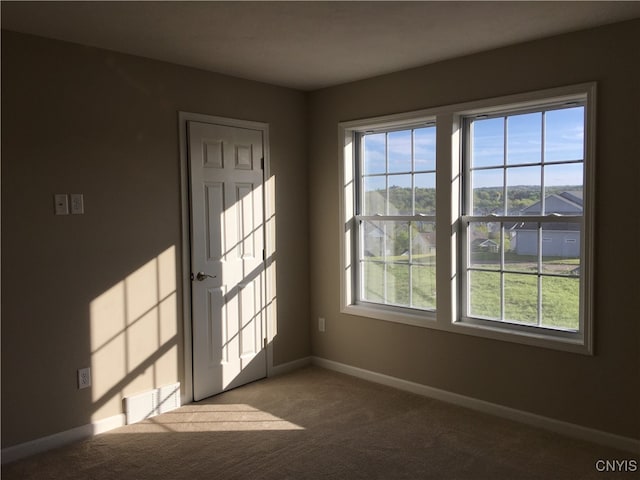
<point>447,317</point>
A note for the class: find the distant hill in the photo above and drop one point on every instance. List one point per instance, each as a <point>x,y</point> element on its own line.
<point>486,200</point>
<point>489,200</point>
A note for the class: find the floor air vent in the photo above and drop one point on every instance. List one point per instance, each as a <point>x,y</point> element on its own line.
<point>152,403</point>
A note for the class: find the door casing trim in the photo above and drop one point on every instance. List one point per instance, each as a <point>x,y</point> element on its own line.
<point>186,394</point>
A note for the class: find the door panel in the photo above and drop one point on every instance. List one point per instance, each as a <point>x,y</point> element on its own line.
<point>227,236</point>
<point>214,207</point>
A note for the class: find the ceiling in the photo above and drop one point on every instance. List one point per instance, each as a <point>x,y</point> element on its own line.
<point>306,45</point>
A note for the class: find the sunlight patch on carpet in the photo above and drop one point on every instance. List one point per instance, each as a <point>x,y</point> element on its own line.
<point>213,418</point>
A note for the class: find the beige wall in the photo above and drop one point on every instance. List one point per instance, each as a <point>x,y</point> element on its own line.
<point>103,289</point>
<point>602,391</point>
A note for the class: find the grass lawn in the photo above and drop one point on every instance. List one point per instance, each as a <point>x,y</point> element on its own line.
<point>415,286</point>
<point>423,284</point>
<point>560,298</point>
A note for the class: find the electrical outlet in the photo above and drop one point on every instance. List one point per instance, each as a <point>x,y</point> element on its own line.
<point>84,378</point>
<point>321,324</point>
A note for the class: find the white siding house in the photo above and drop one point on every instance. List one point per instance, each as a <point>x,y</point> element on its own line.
<point>558,239</point>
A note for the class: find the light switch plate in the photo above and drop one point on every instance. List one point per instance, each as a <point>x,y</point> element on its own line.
<point>77,203</point>
<point>61,203</point>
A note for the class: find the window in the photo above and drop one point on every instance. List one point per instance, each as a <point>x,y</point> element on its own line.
<point>514,218</point>
<point>395,218</point>
<point>523,191</point>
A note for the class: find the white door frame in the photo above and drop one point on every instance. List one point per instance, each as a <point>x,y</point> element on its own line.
<point>269,206</point>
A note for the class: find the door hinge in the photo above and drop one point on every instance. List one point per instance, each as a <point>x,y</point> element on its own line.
<point>264,256</point>
<point>262,163</point>
<point>265,342</point>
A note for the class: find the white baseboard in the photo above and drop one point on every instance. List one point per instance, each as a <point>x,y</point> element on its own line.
<point>61,439</point>
<point>558,426</point>
<point>290,366</point>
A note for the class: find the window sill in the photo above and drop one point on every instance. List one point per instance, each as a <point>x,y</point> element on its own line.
<point>535,337</point>
<point>392,314</point>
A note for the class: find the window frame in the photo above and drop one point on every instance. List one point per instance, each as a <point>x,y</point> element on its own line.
<point>449,227</point>
<point>393,219</point>
<point>351,134</point>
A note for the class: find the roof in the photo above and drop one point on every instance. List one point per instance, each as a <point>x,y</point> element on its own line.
<point>569,202</point>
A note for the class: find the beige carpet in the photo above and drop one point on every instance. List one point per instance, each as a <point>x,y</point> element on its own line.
<point>317,424</point>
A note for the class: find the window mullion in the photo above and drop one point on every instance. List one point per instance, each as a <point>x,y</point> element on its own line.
<point>505,193</point>
<point>413,212</point>
<point>385,265</point>
<point>543,211</point>
<point>543,206</point>
<point>505,211</point>
<point>410,263</point>
<point>539,268</point>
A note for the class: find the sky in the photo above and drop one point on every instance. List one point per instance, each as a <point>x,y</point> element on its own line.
<point>400,151</point>
<point>561,141</point>
<point>525,143</point>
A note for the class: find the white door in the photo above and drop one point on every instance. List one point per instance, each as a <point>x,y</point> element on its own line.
<point>227,264</point>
